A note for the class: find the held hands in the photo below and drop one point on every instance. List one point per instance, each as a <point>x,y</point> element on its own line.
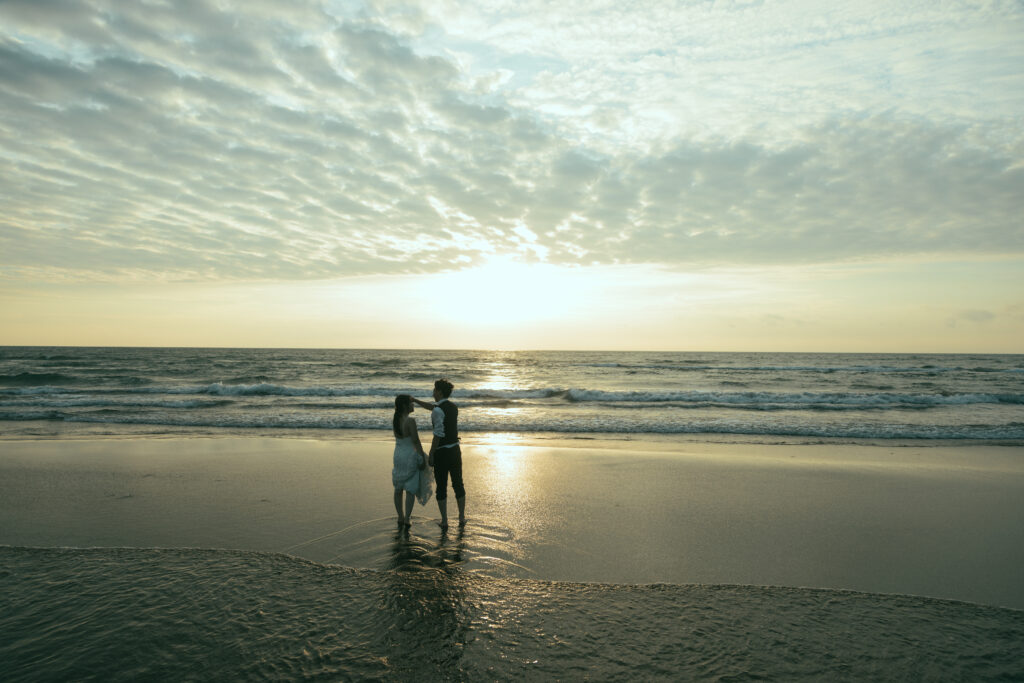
<point>423,460</point>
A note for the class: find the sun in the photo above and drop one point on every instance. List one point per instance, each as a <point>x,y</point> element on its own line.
<point>505,292</point>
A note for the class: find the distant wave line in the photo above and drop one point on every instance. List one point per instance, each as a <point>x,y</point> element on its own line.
<point>921,370</point>
<point>752,399</point>
<point>982,432</point>
<point>801,399</point>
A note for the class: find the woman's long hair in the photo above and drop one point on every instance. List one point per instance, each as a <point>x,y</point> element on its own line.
<point>403,406</point>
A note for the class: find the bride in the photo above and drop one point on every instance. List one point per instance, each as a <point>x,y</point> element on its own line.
<point>410,472</point>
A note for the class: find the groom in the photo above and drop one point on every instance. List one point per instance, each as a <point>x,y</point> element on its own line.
<point>445,454</point>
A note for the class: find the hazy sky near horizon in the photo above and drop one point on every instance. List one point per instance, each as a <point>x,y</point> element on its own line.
<point>582,174</point>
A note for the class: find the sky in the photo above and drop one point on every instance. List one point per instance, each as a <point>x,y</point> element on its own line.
<point>514,174</point>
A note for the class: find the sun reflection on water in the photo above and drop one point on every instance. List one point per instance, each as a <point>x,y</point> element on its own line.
<point>502,373</point>
<point>504,465</point>
<point>507,481</point>
<point>506,413</point>
<point>498,439</point>
<point>502,461</point>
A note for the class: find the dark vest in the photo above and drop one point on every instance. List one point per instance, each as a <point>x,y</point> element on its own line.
<point>451,423</point>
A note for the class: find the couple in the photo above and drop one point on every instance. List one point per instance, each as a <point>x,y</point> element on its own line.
<point>410,473</point>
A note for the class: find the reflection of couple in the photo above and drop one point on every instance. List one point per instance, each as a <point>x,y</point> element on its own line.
<point>410,473</point>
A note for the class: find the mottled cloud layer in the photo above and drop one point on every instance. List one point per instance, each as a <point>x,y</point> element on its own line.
<point>210,140</point>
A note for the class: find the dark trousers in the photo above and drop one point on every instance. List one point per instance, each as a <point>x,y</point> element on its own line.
<point>448,461</point>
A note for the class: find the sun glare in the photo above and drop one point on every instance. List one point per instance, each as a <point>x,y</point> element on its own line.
<point>508,293</point>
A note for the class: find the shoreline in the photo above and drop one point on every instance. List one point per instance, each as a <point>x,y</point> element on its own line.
<point>46,430</point>
<point>835,593</point>
<point>937,522</point>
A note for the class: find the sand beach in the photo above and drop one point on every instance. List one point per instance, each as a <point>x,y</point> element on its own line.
<point>583,559</point>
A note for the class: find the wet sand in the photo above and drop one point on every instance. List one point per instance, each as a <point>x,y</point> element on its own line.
<point>943,522</point>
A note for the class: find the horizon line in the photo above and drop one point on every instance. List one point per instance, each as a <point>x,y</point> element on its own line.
<point>498,350</point>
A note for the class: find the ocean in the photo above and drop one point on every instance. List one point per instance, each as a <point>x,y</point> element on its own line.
<point>808,396</point>
<point>199,614</point>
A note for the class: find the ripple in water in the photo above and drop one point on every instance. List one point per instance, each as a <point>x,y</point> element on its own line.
<point>126,614</point>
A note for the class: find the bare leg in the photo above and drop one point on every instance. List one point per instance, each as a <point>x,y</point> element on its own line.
<point>462,510</point>
<point>410,500</point>
<point>398,506</point>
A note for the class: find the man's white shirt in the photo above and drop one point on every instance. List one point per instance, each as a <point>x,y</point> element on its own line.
<point>437,420</point>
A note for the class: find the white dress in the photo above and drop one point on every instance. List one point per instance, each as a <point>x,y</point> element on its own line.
<point>406,473</point>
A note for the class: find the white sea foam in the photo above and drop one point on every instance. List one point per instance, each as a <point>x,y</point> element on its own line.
<point>762,398</point>
<point>785,368</point>
<point>610,424</point>
<point>133,402</point>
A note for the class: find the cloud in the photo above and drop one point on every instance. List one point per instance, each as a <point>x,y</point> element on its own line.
<point>973,315</point>
<point>263,140</point>
<point>647,69</point>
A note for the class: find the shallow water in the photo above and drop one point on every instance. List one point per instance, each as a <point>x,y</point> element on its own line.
<point>131,614</point>
<point>823,517</point>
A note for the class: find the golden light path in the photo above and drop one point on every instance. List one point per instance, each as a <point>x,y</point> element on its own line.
<point>504,461</point>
